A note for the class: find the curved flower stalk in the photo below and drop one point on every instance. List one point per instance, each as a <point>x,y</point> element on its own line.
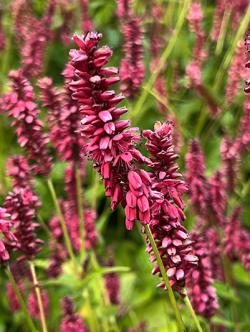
<point>199,280</point>
<point>132,66</point>
<point>71,321</point>
<point>196,179</point>
<point>8,240</point>
<point>22,204</point>
<point>21,107</point>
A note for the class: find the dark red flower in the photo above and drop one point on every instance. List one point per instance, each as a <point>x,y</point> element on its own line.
<point>22,204</point>
<point>132,66</point>
<point>109,142</point>
<point>18,169</point>
<point>112,283</point>
<point>21,106</point>
<point>8,239</point>
<point>199,279</point>
<point>166,208</point>
<point>71,321</point>
<point>196,180</point>
<point>87,24</point>
<point>33,304</point>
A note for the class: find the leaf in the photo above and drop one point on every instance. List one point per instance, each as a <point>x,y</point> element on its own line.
<point>226,292</point>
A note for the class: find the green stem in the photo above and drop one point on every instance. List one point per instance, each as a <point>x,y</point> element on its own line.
<point>172,299</point>
<point>229,55</point>
<point>193,314</point>
<point>80,209</point>
<point>39,297</point>
<point>21,300</point>
<point>62,222</point>
<point>222,33</point>
<point>165,55</point>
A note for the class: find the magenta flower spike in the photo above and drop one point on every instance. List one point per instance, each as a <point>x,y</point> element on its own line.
<point>71,321</point>
<point>22,204</point>
<point>196,180</point>
<point>199,279</point>
<point>166,208</point>
<point>33,307</point>
<point>108,141</point>
<point>21,107</point>
<point>8,240</point>
<point>18,169</point>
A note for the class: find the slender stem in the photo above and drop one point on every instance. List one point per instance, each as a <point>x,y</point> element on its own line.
<point>39,297</point>
<point>62,222</point>
<point>193,314</point>
<point>229,55</point>
<point>222,34</point>
<point>165,55</point>
<point>172,299</point>
<point>21,300</point>
<point>80,209</point>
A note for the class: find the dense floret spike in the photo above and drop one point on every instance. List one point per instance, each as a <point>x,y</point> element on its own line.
<point>18,169</point>
<point>22,204</point>
<point>166,208</point>
<point>21,107</point>
<point>109,142</point>
<point>8,240</point>
<point>196,180</point>
<point>199,279</point>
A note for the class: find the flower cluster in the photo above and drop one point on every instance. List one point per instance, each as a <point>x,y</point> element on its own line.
<point>196,180</point>
<point>193,70</point>
<point>153,198</point>
<point>18,169</point>
<point>9,238</point>
<point>33,304</point>
<point>199,279</point>
<point>112,283</point>
<point>33,36</point>
<point>22,204</point>
<point>236,240</point>
<point>166,207</point>
<point>108,141</point>
<point>247,46</point>
<point>87,24</point>
<point>236,73</point>
<point>71,321</point>
<point>132,67</point>
<point>21,106</point>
